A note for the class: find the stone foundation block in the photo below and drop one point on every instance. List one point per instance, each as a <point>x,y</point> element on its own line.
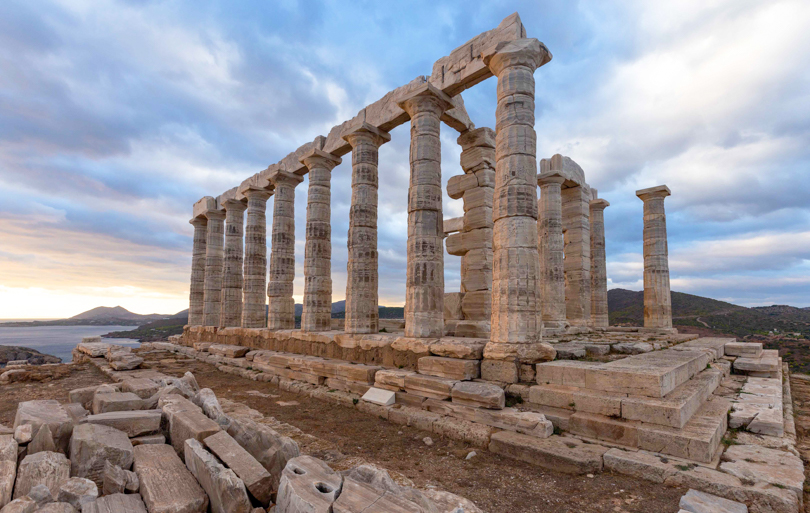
<point>451,368</point>
<point>568,455</point>
<point>429,386</point>
<point>481,395</point>
<point>500,370</point>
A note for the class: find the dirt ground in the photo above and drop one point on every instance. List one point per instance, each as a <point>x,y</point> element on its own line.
<point>494,483</point>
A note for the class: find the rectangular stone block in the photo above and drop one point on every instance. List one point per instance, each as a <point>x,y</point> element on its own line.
<point>609,429</point>
<point>226,492</point>
<point>357,372</point>
<point>745,364</point>
<point>346,386</point>
<point>133,423</point>
<point>500,371</point>
<point>115,503</point>
<point>256,478</point>
<point>564,372</point>
<point>143,388</point>
<point>46,413</point>
<point>652,374</point>
<point>360,497</point>
<point>186,420</point>
<point>747,349</point>
<point>608,404</point>
<point>480,395</point>
<point>716,344</point>
<point>391,378</point>
<point>166,485</point>
<point>452,368</point>
<point>116,401</point>
<point>380,396</point>
<point>556,396</point>
<point>429,386</point>
<point>560,454</point>
<point>228,351</point>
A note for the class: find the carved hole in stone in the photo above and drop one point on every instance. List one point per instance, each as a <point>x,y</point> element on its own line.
<point>323,488</point>
<point>299,471</point>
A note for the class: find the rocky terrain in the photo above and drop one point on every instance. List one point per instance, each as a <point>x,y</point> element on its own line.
<point>32,356</point>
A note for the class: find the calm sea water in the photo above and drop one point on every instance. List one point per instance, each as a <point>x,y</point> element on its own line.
<point>60,340</point>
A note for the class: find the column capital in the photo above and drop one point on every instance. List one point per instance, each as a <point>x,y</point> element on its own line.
<point>234,205</point>
<point>320,158</point>
<point>519,52</point>
<point>660,191</point>
<point>598,204</point>
<point>255,193</point>
<point>550,177</point>
<point>198,222</point>
<point>425,97</point>
<point>215,215</point>
<point>367,132</point>
<point>279,177</point>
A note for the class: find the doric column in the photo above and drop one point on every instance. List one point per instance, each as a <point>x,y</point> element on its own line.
<point>213,267</point>
<point>196,306</point>
<point>317,313</point>
<point>424,292</point>
<point>362,314</point>
<point>281,312</point>
<point>254,313</point>
<point>516,322</point>
<point>550,248</point>
<point>599,304</point>
<point>657,300</point>
<point>577,247</point>
<point>232,264</point>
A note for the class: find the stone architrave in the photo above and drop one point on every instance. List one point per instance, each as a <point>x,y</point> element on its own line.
<point>281,312</point>
<point>232,280</point>
<point>317,311</point>
<point>516,324</point>
<point>599,301</point>
<point>657,299</point>
<point>254,293</point>
<point>214,254</point>
<point>197,291</point>
<point>362,314</point>
<point>424,295</point>
<point>550,246</point>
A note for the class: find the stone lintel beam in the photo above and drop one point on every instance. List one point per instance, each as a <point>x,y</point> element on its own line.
<point>465,66</point>
<point>257,182</point>
<point>312,157</point>
<point>660,191</point>
<point>232,194</point>
<point>202,206</point>
<point>279,177</point>
<point>292,162</point>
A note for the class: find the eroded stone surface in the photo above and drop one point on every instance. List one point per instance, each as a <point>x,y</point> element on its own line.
<point>257,480</point>
<point>166,484</point>
<point>225,490</point>
<point>92,445</point>
<point>308,484</point>
<point>45,412</point>
<point>49,468</point>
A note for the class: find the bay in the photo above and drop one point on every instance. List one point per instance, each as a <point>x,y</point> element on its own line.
<point>60,340</point>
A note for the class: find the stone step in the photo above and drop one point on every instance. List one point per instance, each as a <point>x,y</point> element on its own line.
<point>452,368</point>
<point>561,454</point>
<point>747,349</point>
<point>716,344</point>
<point>608,429</point>
<point>699,438</point>
<point>677,407</point>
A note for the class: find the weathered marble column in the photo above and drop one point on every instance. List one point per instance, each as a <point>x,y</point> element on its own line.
<point>317,313</point>
<point>577,247</point>
<point>281,312</point>
<point>213,267</point>
<point>516,321</point>
<point>196,307</point>
<point>424,293</point>
<point>550,248</point>
<point>657,299</point>
<point>254,313</point>
<point>362,314</point>
<point>232,264</point>
<point>599,302</point>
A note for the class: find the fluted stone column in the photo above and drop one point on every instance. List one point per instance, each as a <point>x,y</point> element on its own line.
<point>362,314</point>
<point>550,248</point>
<point>232,280</point>
<point>213,267</point>
<point>317,313</point>
<point>516,320</point>
<point>577,247</point>
<point>196,307</point>
<point>599,302</point>
<point>657,299</point>
<point>424,293</point>
<point>281,312</point>
<point>254,313</point>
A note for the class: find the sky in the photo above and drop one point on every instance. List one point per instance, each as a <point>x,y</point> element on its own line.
<point>116,116</point>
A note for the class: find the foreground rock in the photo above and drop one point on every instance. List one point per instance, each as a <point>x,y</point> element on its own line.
<point>47,412</point>
<point>118,480</point>
<point>256,478</point>
<point>699,502</point>
<point>308,484</point>
<point>24,504</point>
<point>133,423</point>
<point>77,491</point>
<point>92,445</point>
<point>8,467</point>
<point>271,449</point>
<point>186,420</point>
<point>225,490</point>
<point>51,469</point>
<point>166,484</point>
<point>116,503</point>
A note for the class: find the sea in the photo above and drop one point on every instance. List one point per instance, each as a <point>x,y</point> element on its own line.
<point>59,341</point>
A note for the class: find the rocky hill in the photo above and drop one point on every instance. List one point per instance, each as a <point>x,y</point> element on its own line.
<point>99,316</point>
<point>34,357</point>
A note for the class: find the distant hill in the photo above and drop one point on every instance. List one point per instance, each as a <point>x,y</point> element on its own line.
<point>99,316</point>
<point>101,313</point>
<point>626,307</point>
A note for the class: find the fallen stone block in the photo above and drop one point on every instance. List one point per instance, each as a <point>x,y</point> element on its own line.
<point>228,351</point>
<point>45,412</point>
<point>451,368</point>
<point>753,463</point>
<point>308,484</point>
<point>257,479</point>
<point>57,507</point>
<point>51,469</point>
<point>94,444</point>
<point>117,480</point>
<point>142,387</point>
<point>271,449</point>
<point>24,504</point>
<point>8,448</point>
<point>125,361</point>
<point>568,455</point>
<point>225,490</point>
<point>77,491</point>
<point>42,441</point>
<point>186,420</point>
<point>93,347</point>
<point>76,412</point>
<point>133,423</point>
<point>148,439</point>
<point>356,496</point>
<point>166,484</point>
<point>700,502</point>
<point>23,434</point>
<point>41,494</point>
<point>482,395</point>
<point>117,503</point>
<point>8,473</point>
<point>116,401</point>
<point>380,396</point>
<point>207,400</point>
